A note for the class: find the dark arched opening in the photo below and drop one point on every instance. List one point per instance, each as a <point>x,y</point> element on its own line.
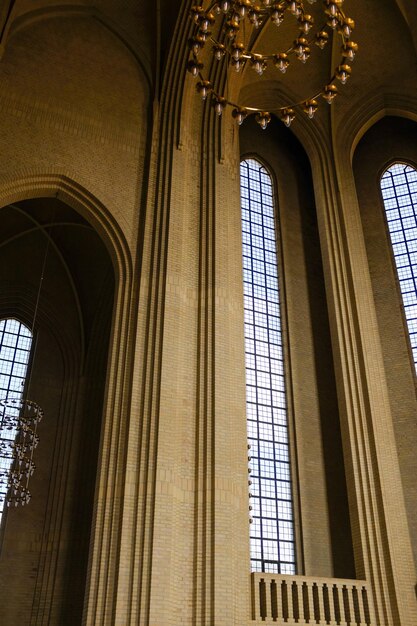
<point>74,303</point>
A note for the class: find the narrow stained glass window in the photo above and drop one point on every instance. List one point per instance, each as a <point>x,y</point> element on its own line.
<point>399,191</point>
<point>15,345</point>
<point>272,528</point>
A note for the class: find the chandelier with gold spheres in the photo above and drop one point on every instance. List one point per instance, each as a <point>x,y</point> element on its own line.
<point>237,18</point>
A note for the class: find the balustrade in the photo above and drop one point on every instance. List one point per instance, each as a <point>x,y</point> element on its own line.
<point>306,600</point>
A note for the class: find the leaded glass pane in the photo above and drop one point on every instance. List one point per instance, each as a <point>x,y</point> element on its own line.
<point>398,187</point>
<point>272,529</point>
<point>15,345</point>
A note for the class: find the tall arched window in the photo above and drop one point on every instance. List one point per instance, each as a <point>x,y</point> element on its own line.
<point>399,191</point>
<point>272,528</point>
<point>15,346</point>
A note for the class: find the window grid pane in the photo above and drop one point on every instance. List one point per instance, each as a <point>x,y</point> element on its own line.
<point>272,529</point>
<point>399,192</point>
<point>15,345</point>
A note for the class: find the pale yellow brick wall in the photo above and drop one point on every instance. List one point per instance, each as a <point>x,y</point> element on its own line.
<point>169,542</point>
<point>73,102</point>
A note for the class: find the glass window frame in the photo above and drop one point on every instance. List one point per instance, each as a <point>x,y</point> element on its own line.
<point>262,533</point>
<point>402,247</point>
<point>13,350</point>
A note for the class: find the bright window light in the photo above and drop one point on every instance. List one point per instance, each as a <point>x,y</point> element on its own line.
<point>15,345</point>
<point>399,191</point>
<point>272,528</point>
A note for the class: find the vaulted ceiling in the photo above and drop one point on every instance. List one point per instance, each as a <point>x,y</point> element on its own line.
<point>385,31</point>
<point>146,26</point>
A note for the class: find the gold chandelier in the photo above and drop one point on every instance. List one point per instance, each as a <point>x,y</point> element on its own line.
<point>238,17</point>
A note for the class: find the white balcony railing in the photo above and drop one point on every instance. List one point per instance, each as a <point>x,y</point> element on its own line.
<point>299,600</point>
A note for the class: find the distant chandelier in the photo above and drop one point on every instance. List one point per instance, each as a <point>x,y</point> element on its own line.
<point>18,440</point>
<point>229,44</point>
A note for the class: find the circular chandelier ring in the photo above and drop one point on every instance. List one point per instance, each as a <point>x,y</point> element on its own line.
<point>235,13</point>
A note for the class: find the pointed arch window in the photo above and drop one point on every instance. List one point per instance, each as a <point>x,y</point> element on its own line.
<point>399,192</point>
<point>272,528</point>
<point>15,347</point>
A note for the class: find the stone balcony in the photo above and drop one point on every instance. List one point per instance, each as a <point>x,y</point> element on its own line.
<point>298,600</point>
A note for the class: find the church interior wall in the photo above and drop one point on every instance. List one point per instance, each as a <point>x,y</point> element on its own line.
<point>140,511</point>
<point>57,105</point>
